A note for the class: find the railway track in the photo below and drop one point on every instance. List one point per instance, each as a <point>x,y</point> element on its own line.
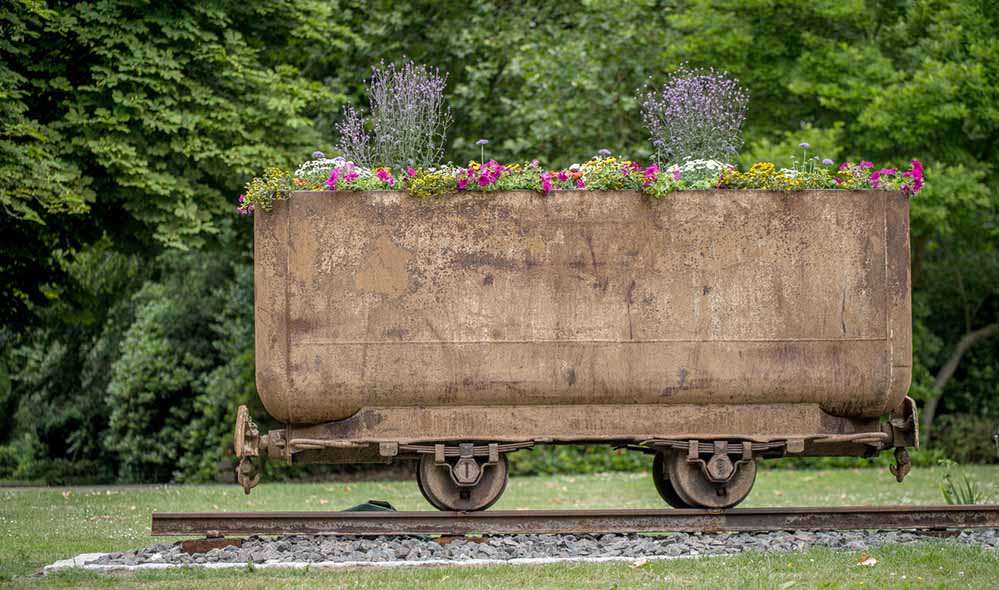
<point>222,524</point>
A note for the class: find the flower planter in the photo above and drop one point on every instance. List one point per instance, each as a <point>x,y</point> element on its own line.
<point>511,298</point>
<point>385,322</point>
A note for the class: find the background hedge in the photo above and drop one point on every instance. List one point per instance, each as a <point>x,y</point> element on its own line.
<point>128,128</point>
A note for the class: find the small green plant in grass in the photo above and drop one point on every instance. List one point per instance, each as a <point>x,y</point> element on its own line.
<point>963,491</point>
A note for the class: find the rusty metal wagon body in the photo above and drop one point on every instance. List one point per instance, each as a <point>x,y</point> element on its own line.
<point>711,329</point>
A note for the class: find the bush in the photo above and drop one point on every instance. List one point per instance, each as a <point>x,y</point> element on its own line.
<point>409,119</point>
<point>698,114</point>
<point>560,459</point>
<point>965,438</point>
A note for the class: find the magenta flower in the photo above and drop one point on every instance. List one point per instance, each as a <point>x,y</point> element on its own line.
<point>334,176</point>
<point>410,171</point>
<point>385,176</point>
<point>562,176</point>
<point>580,183</point>
<point>462,183</point>
<point>916,174</point>
<point>876,176</point>
<point>866,164</point>
<point>546,182</point>
<point>650,174</point>
<point>676,174</point>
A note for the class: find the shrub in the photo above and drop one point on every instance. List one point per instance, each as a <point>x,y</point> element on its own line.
<point>409,119</point>
<point>698,114</point>
<point>565,459</point>
<point>965,438</point>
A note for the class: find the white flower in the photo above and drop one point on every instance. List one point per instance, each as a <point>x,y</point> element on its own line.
<point>313,168</point>
<point>691,165</point>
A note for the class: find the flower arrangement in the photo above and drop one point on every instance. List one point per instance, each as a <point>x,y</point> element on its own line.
<point>694,120</point>
<point>602,172</point>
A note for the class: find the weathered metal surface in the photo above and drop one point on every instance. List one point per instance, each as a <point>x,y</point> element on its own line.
<point>576,521</point>
<point>379,300</point>
<point>579,423</point>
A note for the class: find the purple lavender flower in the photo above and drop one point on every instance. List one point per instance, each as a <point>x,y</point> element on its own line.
<point>604,152</point>
<point>482,149</point>
<point>697,114</point>
<point>482,142</point>
<point>355,142</point>
<point>318,155</point>
<point>409,119</point>
<point>804,145</point>
<point>827,162</point>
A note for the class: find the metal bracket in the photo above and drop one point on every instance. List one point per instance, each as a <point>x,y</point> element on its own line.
<point>467,470</point>
<point>246,439</point>
<point>904,424</point>
<point>247,474</point>
<point>903,464</point>
<point>246,444</point>
<point>720,468</point>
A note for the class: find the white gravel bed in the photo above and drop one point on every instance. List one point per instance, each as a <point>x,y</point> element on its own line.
<point>334,551</point>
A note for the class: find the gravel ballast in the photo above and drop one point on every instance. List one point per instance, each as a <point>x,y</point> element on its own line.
<point>345,551</point>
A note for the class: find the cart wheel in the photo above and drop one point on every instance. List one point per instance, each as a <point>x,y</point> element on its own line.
<point>439,489</point>
<point>660,476</point>
<point>694,488</point>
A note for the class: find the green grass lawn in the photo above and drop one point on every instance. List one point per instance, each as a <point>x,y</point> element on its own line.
<point>41,525</point>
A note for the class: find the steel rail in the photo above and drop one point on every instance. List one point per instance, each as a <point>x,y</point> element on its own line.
<point>215,524</point>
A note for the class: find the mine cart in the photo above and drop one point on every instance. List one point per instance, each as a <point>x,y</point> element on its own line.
<point>711,329</point>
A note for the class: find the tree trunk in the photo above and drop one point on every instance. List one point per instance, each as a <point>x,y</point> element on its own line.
<point>947,371</point>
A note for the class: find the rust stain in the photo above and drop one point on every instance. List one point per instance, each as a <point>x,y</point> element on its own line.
<point>384,269</point>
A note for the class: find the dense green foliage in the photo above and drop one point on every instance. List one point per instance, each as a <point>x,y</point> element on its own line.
<point>126,129</point>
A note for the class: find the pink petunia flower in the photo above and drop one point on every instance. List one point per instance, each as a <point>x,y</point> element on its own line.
<point>650,174</point>
<point>546,182</point>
